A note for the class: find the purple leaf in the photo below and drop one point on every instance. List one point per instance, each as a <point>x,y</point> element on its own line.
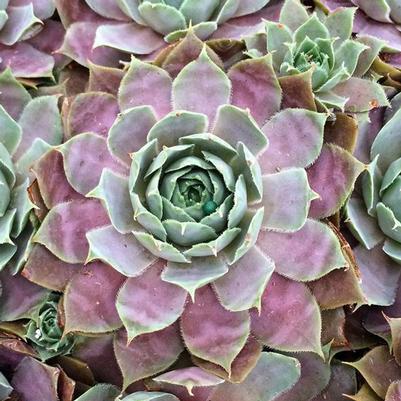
<point>85,157</point>
<point>202,87</point>
<point>12,351</point>
<point>290,318</point>
<point>129,132</point>
<point>34,380</point>
<point>315,375</point>
<point>212,333</point>
<point>64,229</point>
<point>295,139</point>
<point>78,44</point>
<point>98,353</point>
<point>92,112</point>
<point>104,79</point>
<point>71,11</point>
<point>26,62</point>
<point>49,40</point>
<point>147,304</point>
<point>134,89</point>
<point>243,286</point>
<point>307,254</point>
<point>333,177</point>
<point>129,37</point>
<point>53,184</point>
<point>147,354</point>
<point>19,298</point>
<point>46,270</point>
<point>362,94</point>
<point>89,300</point>
<point>379,369</point>
<point>339,288</point>
<point>185,51</point>
<point>255,87</point>
<point>379,275</point>
<point>342,381</point>
<point>388,32</point>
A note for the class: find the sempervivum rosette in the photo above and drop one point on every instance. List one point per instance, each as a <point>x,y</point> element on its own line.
<point>323,48</point>
<point>143,26</point>
<point>374,211</point>
<point>28,128</point>
<point>23,377</point>
<point>197,215</point>
<point>28,38</point>
<point>44,331</point>
<point>23,137</point>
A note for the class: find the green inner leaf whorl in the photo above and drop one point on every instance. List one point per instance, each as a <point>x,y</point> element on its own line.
<point>45,333</point>
<point>192,193</point>
<point>317,54</point>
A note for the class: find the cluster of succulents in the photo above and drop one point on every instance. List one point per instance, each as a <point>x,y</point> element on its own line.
<point>200,200</point>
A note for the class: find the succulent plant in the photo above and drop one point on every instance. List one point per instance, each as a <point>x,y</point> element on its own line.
<point>44,331</point>
<point>194,212</point>
<point>373,211</point>
<point>142,27</point>
<point>29,37</point>
<point>324,47</point>
<point>22,376</point>
<point>23,138</point>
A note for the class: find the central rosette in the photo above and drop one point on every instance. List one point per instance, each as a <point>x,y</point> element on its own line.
<point>190,198</point>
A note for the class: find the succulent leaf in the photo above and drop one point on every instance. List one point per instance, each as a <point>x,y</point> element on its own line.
<point>152,353</point>
<point>146,288</point>
<point>384,372</point>
<point>273,375</point>
<point>291,302</point>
